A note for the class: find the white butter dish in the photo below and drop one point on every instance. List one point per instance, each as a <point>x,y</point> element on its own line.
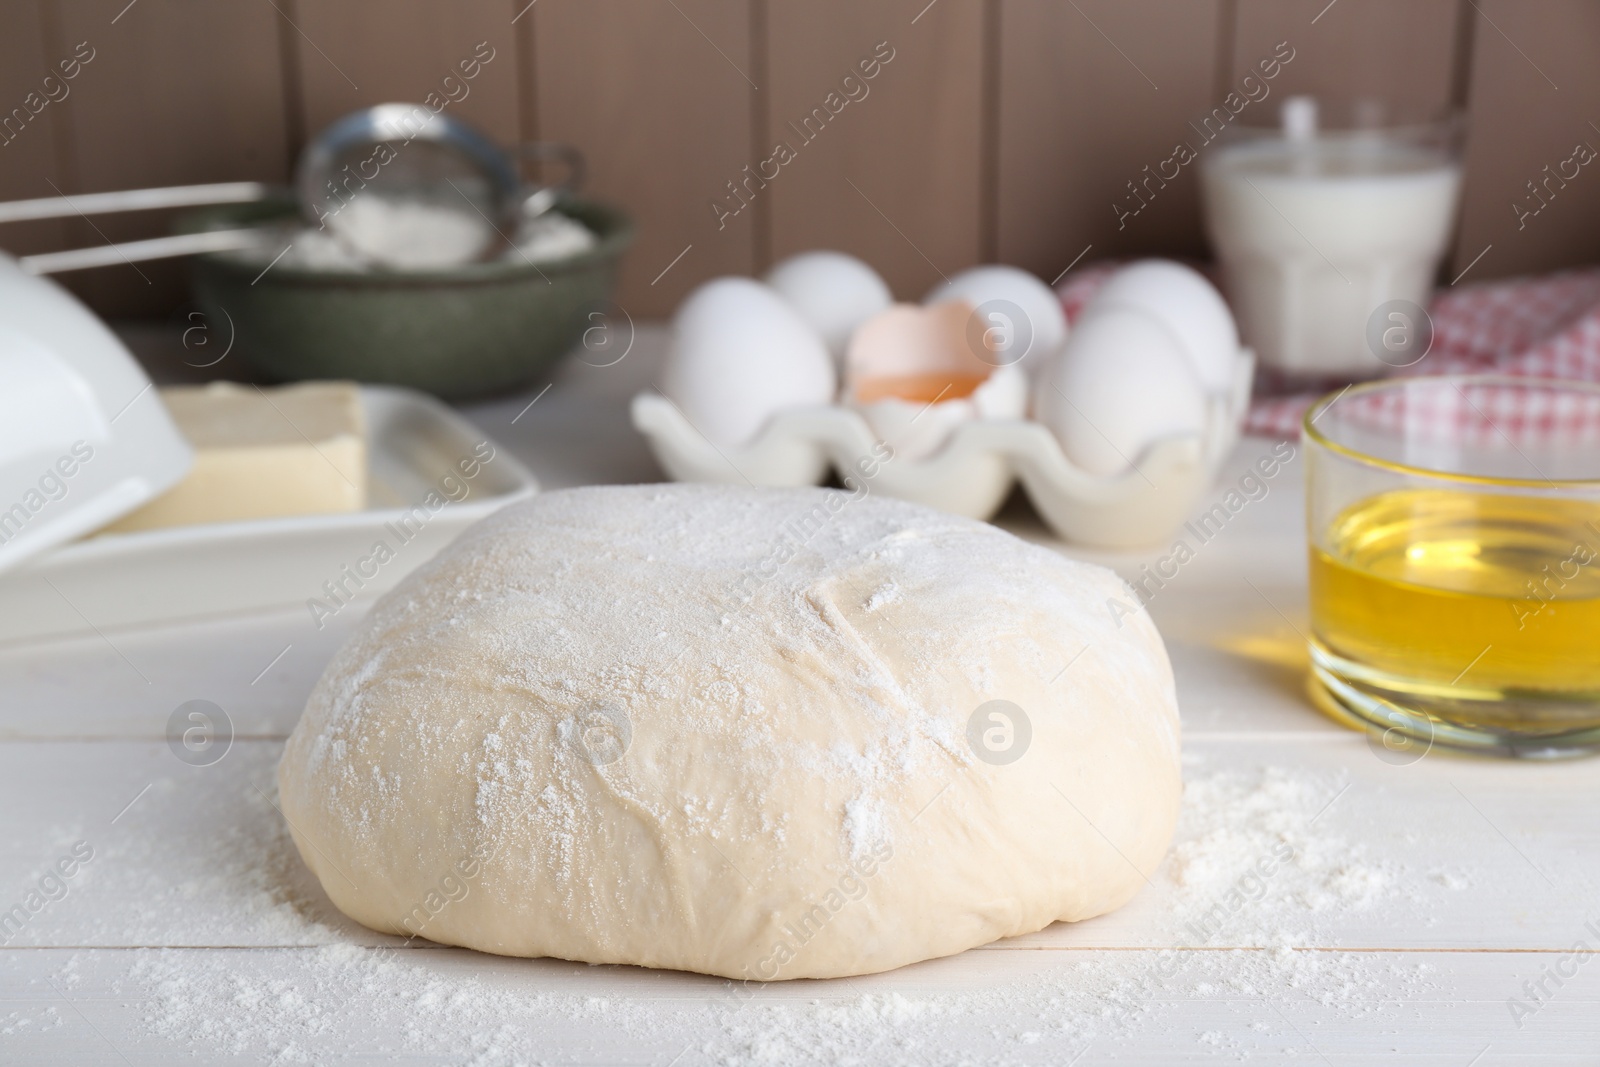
<point>81,442</point>
<point>973,471</point>
<point>420,495</point>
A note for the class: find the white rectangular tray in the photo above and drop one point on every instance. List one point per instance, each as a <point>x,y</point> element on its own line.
<point>416,447</point>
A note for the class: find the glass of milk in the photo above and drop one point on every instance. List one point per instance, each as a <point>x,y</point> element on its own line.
<point>1330,236</point>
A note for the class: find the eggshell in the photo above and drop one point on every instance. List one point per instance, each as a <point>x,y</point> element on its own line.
<point>907,341</point>
<point>1185,303</point>
<point>833,292</point>
<point>1021,314</point>
<point>1121,384</point>
<point>739,354</point>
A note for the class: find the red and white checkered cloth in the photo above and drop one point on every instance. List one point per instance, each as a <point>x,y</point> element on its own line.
<point>1544,327</point>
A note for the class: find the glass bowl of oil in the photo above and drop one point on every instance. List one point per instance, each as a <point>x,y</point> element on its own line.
<point>1454,534</point>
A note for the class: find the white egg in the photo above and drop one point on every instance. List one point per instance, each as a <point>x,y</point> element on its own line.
<point>834,292</point>
<point>739,354</point>
<point>1020,313</point>
<point>1184,302</point>
<point>1121,384</point>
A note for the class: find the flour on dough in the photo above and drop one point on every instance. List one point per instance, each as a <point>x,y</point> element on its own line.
<point>745,732</point>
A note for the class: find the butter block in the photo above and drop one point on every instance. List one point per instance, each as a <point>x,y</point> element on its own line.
<point>262,453</point>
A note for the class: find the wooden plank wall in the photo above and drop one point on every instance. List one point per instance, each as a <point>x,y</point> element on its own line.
<point>989,130</point>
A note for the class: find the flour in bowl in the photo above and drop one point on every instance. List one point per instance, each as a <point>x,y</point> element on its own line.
<point>374,232</point>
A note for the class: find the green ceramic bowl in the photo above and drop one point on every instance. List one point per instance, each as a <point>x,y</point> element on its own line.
<point>470,331</point>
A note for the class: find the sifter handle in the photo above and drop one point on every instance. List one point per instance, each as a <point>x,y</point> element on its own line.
<point>184,244</point>
<point>65,207</point>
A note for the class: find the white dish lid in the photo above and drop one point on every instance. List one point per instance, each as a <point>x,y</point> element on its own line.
<point>84,438</point>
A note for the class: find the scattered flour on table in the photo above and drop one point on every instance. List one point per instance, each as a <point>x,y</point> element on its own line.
<point>225,875</point>
<point>31,1021</point>
<point>342,1003</point>
<point>346,1002</point>
<point>1249,845</point>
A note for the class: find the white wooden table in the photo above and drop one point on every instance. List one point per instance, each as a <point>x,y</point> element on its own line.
<point>1419,897</point>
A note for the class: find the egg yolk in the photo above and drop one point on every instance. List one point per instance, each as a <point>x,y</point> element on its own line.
<point>925,388</point>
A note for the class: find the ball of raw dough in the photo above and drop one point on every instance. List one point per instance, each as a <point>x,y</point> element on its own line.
<point>755,733</point>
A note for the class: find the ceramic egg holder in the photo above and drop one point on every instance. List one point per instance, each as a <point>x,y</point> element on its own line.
<point>973,471</point>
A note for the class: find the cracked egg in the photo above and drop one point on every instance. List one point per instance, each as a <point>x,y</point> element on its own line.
<point>916,373</point>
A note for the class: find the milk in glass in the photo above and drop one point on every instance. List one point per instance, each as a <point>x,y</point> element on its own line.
<point>1316,230</point>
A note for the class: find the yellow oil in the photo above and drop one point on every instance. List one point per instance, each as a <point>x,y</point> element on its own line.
<point>1454,593</point>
